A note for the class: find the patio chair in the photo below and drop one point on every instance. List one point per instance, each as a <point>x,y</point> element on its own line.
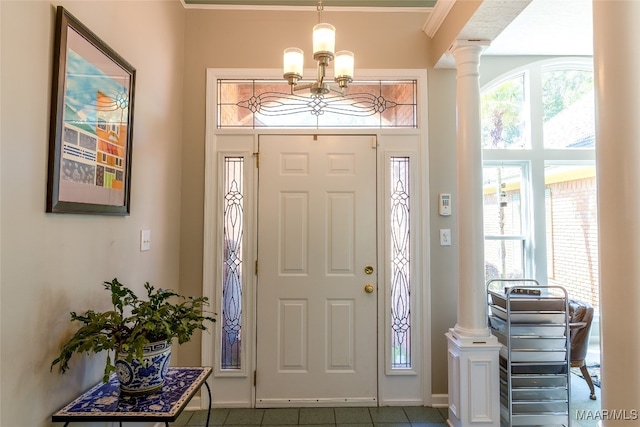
<point>580,318</point>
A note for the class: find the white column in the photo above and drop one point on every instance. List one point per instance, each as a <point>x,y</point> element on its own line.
<point>473,351</point>
<point>472,301</point>
<point>617,64</point>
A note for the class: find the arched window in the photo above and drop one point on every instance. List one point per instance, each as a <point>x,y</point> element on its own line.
<point>538,137</point>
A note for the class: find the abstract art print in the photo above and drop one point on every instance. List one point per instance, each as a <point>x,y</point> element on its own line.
<point>90,136</point>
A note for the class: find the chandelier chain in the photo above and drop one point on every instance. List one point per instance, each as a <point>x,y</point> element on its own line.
<point>320,8</point>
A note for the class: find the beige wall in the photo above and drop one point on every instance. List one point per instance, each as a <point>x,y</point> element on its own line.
<point>55,263</point>
<point>442,179</point>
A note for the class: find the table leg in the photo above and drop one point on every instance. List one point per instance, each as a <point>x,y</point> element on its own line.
<point>208,410</point>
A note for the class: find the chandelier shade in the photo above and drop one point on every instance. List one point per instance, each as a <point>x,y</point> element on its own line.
<point>344,66</point>
<point>324,39</point>
<point>293,61</point>
<point>324,42</point>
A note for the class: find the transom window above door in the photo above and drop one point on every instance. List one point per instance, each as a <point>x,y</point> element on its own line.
<point>262,104</point>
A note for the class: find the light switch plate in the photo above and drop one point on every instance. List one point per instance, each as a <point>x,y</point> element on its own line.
<point>445,237</point>
<point>145,240</point>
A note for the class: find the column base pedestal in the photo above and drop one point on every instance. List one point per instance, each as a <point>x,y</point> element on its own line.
<point>474,380</point>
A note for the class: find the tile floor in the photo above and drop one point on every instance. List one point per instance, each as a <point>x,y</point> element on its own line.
<point>412,416</point>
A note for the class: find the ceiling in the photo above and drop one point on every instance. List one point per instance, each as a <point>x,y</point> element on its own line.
<point>514,27</point>
<point>548,27</point>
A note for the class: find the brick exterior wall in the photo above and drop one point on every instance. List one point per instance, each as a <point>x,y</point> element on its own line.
<point>572,237</point>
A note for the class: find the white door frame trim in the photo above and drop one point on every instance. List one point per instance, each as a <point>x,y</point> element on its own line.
<point>248,144</point>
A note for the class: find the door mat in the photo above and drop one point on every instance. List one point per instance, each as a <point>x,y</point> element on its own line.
<point>594,372</point>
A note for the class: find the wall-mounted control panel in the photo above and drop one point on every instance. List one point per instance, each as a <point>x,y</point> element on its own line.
<point>444,204</point>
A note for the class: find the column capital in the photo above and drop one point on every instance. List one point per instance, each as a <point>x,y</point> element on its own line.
<point>467,56</point>
<point>470,45</point>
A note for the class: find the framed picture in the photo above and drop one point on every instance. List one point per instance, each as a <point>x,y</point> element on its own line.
<point>90,135</point>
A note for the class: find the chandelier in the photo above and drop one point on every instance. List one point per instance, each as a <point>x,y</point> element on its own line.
<point>324,37</point>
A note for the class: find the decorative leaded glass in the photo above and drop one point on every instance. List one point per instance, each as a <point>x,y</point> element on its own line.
<point>232,262</point>
<point>270,104</point>
<point>400,264</point>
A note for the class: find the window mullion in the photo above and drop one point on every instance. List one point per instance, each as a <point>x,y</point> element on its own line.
<point>534,89</point>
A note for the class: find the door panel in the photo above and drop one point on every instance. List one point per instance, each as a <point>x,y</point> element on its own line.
<point>316,326</point>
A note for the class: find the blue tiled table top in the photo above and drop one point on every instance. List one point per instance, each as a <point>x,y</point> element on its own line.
<point>104,402</point>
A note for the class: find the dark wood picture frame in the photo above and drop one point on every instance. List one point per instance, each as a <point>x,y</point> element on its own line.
<point>91,124</point>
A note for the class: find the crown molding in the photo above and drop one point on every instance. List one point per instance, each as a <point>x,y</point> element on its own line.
<point>437,16</point>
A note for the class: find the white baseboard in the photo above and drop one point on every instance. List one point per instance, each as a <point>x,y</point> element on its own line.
<point>392,402</point>
<point>439,400</point>
<point>194,404</point>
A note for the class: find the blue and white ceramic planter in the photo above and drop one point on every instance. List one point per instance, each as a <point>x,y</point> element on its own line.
<point>146,375</point>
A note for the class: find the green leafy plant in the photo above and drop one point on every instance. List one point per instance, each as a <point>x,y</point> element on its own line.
<point>134,323</point>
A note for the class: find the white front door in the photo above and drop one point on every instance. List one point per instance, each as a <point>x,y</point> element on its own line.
<point>316,322</point>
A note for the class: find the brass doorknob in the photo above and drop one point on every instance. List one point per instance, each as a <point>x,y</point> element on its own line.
<point>368,288</point>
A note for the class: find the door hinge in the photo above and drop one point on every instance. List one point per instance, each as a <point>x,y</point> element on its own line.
<point>257,156</point>
<point>256,269</point>
<point>255,378</point>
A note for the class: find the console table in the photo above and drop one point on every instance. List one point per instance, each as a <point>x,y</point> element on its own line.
<point>104,402</point>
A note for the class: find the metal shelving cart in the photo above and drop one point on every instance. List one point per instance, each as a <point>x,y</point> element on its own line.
<point>532,324</point>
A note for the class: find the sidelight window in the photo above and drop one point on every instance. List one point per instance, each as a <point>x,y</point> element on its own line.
<point>400,226</point>
<point>233,230</point>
